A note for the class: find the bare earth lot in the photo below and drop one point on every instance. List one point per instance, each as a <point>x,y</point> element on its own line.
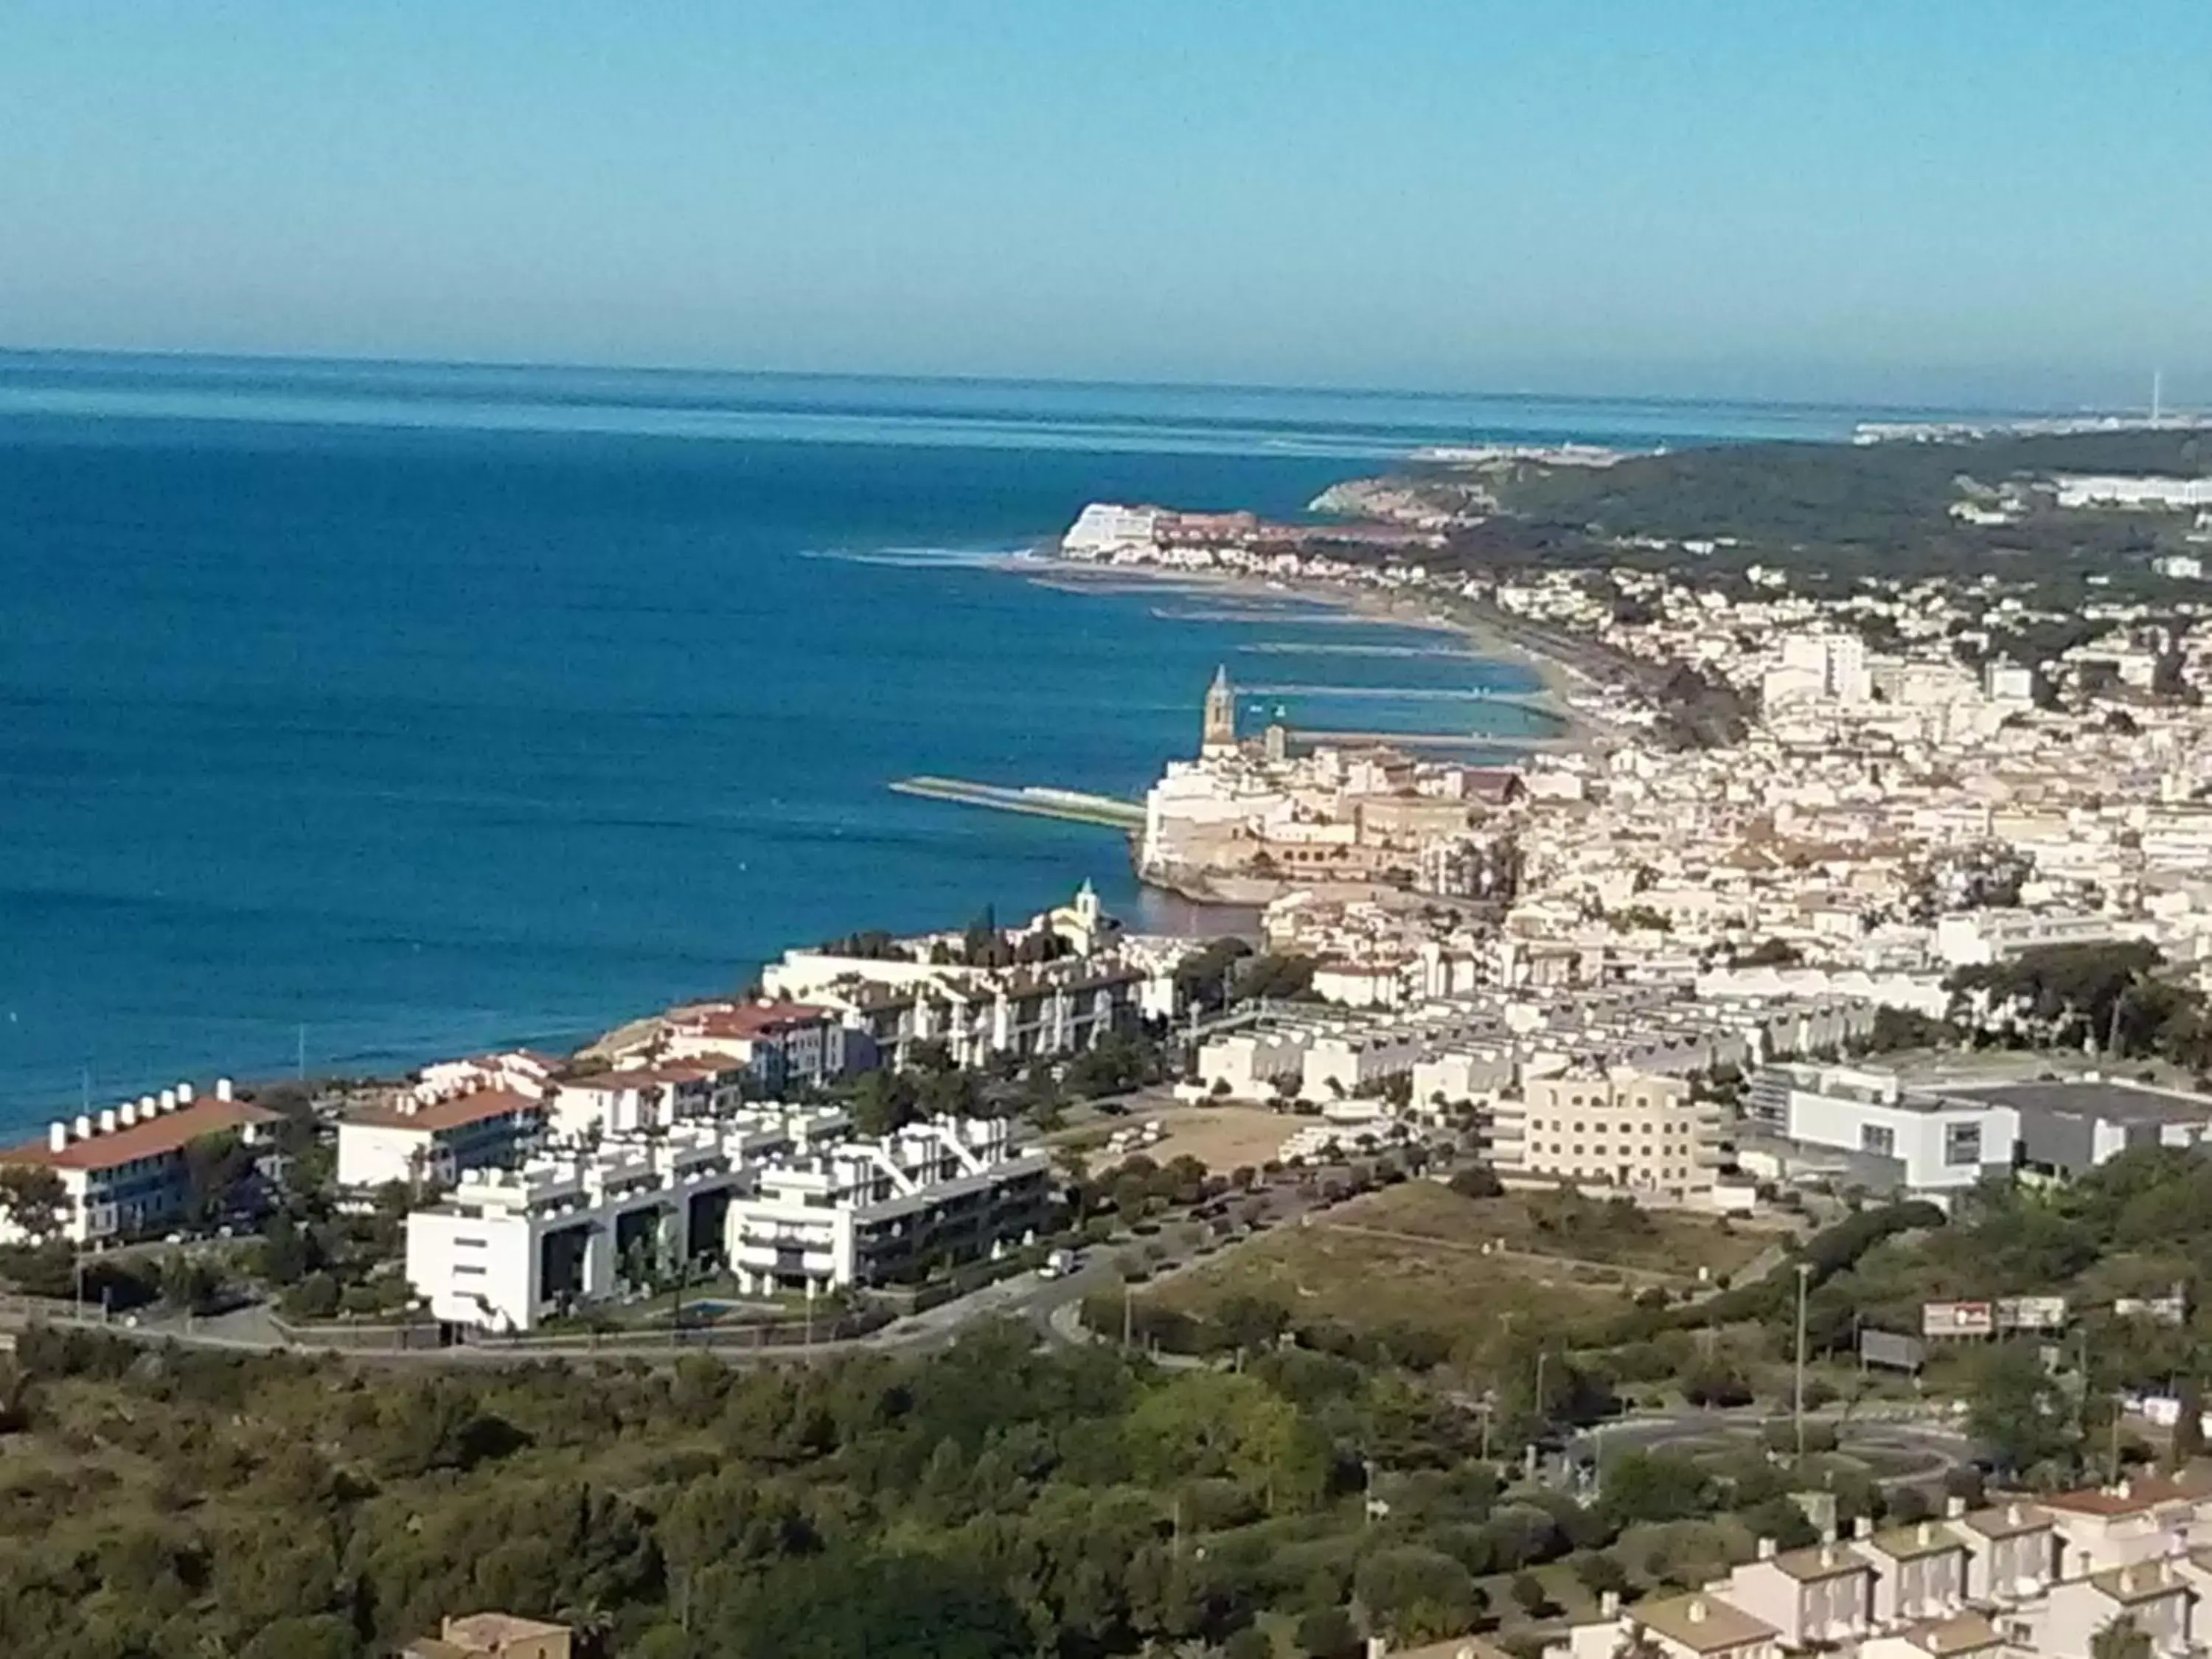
<point>1471,1271</point>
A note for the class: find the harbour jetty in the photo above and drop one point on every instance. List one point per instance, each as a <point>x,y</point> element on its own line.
<point>1072,806</point>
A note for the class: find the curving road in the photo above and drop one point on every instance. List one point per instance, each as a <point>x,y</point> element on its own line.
<point>1937,1445</point>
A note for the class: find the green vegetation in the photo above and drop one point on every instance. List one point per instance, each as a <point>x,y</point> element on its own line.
<point>988,1501</point>
<point>1834,510</point>
<point>1421,1275</point>
<point>2109,997</point>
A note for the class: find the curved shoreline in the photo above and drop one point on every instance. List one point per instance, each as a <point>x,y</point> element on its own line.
<point>1361,603</point>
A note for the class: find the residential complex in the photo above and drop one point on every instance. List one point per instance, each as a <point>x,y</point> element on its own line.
<point>1592,1086</point>
<point>2046,1579</point>
<point>877,1212</point>
<point>784,1197</point>
<point>124,1172</point>
<point>1054,986</point>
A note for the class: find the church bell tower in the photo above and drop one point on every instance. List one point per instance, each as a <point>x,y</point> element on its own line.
<point>1220,736</point>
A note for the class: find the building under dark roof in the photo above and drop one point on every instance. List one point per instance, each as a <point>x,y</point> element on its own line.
<point>2072,1125</point>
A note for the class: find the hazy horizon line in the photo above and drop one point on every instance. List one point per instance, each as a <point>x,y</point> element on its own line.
<point>1517,394</point>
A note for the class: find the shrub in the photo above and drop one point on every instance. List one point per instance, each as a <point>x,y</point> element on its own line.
<point>1478,1180</point>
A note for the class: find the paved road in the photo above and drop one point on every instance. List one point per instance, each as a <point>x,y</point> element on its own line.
<point>1047,1304</point>
<point>1936,1445</point>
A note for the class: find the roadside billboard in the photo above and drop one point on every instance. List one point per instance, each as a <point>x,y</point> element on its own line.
<point>1892,1351</point>
<point>1942,1319</point>
<point>2031,1313</point>
<point>2159,1309</point>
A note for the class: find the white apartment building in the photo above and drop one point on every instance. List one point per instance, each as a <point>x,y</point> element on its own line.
<point>1937,1142</point>
<point>122,1172</point>
<point>894,1003</point>
<point>1463,1076</point>
<point>1959,1636</point>
<point>875,1212</point>
<point>2135,1521</point>
<point>2010,1552</point>
<point>1819,667</point>
<point>1635,1131</point>
<point>1104,528</point>
<point>2140,491</point>
<point>414,1140</point>
<point>506,1248</point>
<point>1821,1595</point>
<point>1974,938</point>
<point>1250,1064</point>
<point>634,1099</point>
<point>1921,1571</point>
<point>2156,1597</point>
<point>778,1047</point>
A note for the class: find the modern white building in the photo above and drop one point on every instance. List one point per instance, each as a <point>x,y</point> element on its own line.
<point>1936,1142</point>
<point>2143,492</point>
<point>1463,1076</point>
<point>506,1248</point>
<point>123,1172</point>
<point>635,1099</point>
<point>1825,668</point>
<point>1257,1065</point>
<point>782,1197</point>
<point>780,1047</point>
<point>1974,938</point>
<point>875,1212</point>
<point>1105,527</point>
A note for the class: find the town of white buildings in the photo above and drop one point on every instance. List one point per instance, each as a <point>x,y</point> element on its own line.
<point>1894,811</point>
<point>1564,952</point>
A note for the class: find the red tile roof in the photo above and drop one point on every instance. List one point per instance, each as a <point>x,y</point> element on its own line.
<point>448,1113</point>
<point>2141,1495</point>
<point>148,1138</point>
<point>744,1020</point>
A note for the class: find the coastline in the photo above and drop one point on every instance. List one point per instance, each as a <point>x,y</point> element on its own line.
<point>1555,678</point>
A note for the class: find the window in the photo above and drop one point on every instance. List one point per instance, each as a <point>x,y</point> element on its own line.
<point>1878,1138</point>
<point>1962,1143</point>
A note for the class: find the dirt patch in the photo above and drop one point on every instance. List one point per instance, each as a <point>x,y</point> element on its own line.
<point>1221,1138</point>
<point>1653,1243</point>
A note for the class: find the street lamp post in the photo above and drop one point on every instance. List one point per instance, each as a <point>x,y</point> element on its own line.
<point>1804,1277</point>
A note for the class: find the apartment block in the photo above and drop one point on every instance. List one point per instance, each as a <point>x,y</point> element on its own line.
<point>415,1141</point>
<point>874,1211</point>
<point>1635,1131</point>
<point>506,1248</point>
<point>123,1171</point>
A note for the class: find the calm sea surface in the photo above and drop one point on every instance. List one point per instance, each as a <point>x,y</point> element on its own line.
<point>393,711</point>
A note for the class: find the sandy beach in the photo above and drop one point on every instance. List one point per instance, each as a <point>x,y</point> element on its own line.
<point>1358,604</point>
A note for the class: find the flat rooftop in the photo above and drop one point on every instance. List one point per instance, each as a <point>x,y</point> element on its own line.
<point>2114,1101</point>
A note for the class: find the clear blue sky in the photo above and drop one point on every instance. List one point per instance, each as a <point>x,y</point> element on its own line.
<point>1790,198</point>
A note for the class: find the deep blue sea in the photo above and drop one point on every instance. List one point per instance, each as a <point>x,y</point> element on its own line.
<point>383,711</point>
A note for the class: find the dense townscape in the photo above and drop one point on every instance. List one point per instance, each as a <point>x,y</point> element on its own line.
<point>1714,1171</point>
